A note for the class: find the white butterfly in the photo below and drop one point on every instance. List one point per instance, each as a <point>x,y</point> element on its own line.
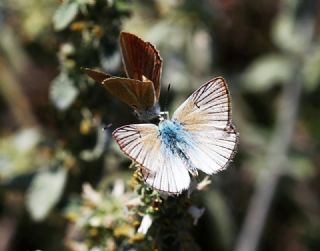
<point>200,135</point>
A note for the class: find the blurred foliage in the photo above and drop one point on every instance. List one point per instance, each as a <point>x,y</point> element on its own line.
<point>131,217</point>
<point>53,146</point>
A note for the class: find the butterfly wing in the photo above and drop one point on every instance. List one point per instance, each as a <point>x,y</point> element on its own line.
<point>96,75</point>
<point>140,95</point>
<point>162,170</point>
<point>206,116</point>
<point>137,94</point>
<point>141,60</point>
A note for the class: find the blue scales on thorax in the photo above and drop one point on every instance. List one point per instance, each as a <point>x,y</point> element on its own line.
<point>176,140</point>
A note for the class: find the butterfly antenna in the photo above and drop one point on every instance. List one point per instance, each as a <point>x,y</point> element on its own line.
<point>107,126</point>
<point>167,98</point>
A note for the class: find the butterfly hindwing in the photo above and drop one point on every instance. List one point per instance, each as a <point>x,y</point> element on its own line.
<point>140,95</point>
<point>171,175</point>
<point>96,75</point>
<point>137,94</point>
<point>206,116</point>
<point>163,170</point>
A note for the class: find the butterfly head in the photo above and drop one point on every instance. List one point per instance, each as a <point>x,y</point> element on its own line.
<point>148,114</point>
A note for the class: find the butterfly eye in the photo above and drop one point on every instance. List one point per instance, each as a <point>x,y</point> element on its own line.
<point>164,115</point>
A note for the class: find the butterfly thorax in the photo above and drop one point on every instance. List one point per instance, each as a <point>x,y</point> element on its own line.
<point>177,140</point>
<point>173,135</point>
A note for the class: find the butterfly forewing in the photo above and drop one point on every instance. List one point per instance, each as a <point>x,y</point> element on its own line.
<point>162,170</point>
<point>206,116</point>
<point>141,59</point>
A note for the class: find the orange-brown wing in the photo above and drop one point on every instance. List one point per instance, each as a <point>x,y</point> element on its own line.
<point>96,75</point>
<point>140,95</point>
<point>137,94</point>
<point>141,60</point>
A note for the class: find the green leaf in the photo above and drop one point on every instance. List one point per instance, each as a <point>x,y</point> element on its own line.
<point>121,5</point>
<point>288,32</point>
<point>65,14</point>
<point>266,71</point>
<point>97,151</point>
<point>44,192</point>
<point>17,153</point>
<point>300,168</point>
<point>311,68</point>
<point>62,91</point>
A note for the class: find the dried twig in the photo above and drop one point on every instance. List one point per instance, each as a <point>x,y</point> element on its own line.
<point>268,180</point>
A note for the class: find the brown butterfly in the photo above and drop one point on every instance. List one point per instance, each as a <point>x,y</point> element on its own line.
<point>143,66</point>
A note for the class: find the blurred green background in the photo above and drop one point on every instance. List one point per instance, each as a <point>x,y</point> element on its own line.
<point>52,115</point>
